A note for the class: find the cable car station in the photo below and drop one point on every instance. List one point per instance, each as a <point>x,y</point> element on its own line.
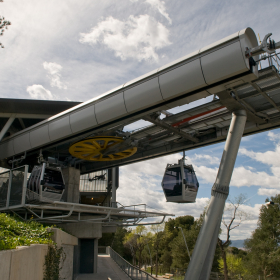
<point>63,158</point>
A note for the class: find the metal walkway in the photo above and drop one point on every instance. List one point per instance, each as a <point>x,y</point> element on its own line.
<point>106,267</point>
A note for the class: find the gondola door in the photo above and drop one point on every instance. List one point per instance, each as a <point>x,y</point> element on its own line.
<point>181,162</point>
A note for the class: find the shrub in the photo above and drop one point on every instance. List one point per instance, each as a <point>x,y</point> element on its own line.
<point>14,232</point>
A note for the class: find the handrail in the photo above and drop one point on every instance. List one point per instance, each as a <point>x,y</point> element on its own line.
<point>133,272</point>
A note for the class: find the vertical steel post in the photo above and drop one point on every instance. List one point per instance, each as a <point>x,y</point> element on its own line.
<point>24,185</point>
<point>41,179</point>
<point>9,188</point>
<point>181,163</point>
<point>203,254</point>
<point>114,187</point>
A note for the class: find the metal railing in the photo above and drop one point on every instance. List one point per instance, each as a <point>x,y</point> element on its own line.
<point>13,187</point>
<point>133,272</point>
<point>269,60</point>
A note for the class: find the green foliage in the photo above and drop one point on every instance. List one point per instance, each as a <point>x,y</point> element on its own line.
<point>107,239</point>
<point>14,232</point>
<point>52,262</point>
<point>116,240</point>
<point>136,241</point>
<point>117,243</point>
<point>235,265</point>
<point>166,244</point>
<point>264,245</point>
<point>238,252</point>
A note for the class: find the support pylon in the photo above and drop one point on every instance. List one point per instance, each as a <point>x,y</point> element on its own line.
<point>203,254</point>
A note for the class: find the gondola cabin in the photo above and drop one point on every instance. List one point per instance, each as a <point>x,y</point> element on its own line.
<point>45,184</point>
<point>180,183</point>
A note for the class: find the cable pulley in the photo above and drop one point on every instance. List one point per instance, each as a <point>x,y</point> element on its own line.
<point>102,148</point>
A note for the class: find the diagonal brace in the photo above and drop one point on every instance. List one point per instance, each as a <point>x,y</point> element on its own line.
<point>166,126</point>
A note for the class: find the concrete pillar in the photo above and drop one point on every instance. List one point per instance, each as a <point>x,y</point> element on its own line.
<point>95,255</point>
<point>84,230</point>
<point>71,177</point>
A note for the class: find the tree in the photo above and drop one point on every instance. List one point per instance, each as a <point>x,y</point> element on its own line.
<point>158,235</point>
<point>235,265</point>
<point>236,217</point>
<point>136,241</point>
<point>174,252</point>
<point>130,242</point>
<point>3,25</point>
<point>264,245</point>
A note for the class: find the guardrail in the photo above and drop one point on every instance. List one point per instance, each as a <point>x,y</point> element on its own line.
<point>133,272</point>
<point>13,187</point>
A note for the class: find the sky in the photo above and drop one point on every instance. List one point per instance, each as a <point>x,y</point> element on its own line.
<point>77,50</point>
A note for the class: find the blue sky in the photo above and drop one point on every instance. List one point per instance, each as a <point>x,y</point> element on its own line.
<point>76,50</point>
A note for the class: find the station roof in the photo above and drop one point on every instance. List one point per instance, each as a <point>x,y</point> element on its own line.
<point>29,111</point>
<point>32,106</point>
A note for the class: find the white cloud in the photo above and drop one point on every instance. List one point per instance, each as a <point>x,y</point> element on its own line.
<point>245,176</point>
<point>154,167</point>
<point>241,177</point>
<point>138,37</point>
<point>206,174</point>
<point>273,137</point>
<point>159,6</point>
<point>53,70</point>
<point>268,192</point>
<point>39,92</point>
<point>206,158</point>
<point>268,157</point>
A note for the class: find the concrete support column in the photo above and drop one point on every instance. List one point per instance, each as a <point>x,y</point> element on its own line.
<point>71,177</point>
<point>95,259</point>
<point>84,231</point>
<point>203,254</point>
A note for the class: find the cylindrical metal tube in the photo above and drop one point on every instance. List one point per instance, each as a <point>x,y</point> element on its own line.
<point>204,250</point>
<point>231,147</point>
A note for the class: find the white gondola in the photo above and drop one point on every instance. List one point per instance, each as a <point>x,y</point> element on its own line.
<point>180,183</point>
<point>45,184</point>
